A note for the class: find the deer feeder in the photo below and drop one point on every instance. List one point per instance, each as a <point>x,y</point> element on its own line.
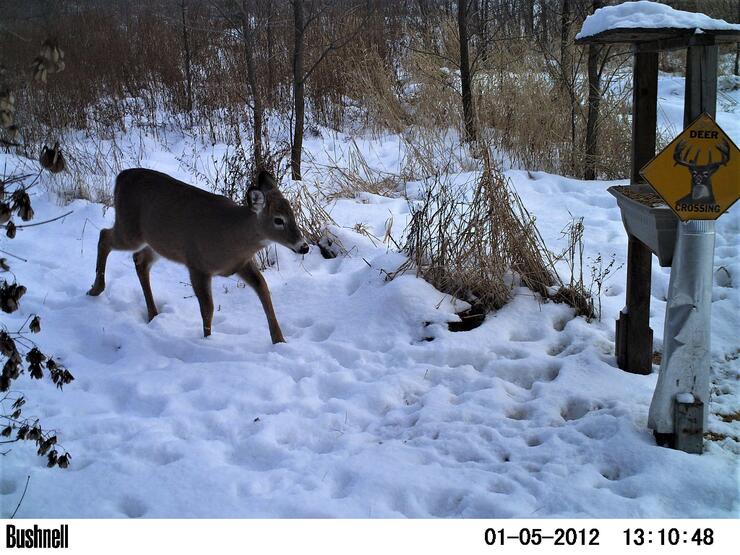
<point>689,248</point>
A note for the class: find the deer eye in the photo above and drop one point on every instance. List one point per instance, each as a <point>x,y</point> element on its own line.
<point>279,221</point>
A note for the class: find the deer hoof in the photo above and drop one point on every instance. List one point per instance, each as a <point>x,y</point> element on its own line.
<point>96,290</point>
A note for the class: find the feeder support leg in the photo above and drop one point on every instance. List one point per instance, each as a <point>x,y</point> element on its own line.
<point>685,366</point>
<point>634,338</point>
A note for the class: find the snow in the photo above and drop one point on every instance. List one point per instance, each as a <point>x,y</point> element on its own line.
<point>649,15</point>
<point>359,414</point>
<point>686,398</point>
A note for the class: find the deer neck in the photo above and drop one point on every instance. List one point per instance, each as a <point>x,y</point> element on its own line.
<point>249,229</point>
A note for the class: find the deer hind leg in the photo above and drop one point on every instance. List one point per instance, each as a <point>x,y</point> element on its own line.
<point>253,277</point>
<point>201,283</point>
<point>143,261</point>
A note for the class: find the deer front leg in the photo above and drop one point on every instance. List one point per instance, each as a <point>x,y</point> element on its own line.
<point>104,248</point>
<point>253,277</point>
<point>201,283</point>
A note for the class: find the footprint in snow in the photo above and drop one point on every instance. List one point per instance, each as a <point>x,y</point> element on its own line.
<point>561,323</point>
<point>132,507</point>
<point>8,486</point>
<point>566,349</point>
<point>304,322</point>
<point>502,486</point>
<point>534,441</point>
<point>597,428</point>
<point>321,332</point>
<point>611,473</point>
<point>342,485</point>
<point>526,377</point>
<point>576,409</point>
<point>512,353</point>
<point>519,413</point>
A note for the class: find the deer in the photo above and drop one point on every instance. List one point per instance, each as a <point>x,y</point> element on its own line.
<point>157,215</point>
<point>701,176</point>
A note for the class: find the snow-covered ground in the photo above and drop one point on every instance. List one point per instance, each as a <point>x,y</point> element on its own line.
<point>358,414</point>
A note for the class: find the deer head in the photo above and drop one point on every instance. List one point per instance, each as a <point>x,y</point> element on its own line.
<point>701,175</point>
<point>275,214</point>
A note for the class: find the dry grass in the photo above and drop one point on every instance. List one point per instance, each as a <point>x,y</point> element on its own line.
<point>313,219</point>
<point>527,116</point>
<point>477,247</point>
<point>349,175</point>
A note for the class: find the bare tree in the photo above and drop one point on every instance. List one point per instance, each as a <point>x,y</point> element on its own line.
<point>299,83</point>
<point>471,133</point>
<point>594,100</point>
<point>301,23</point>
<point>247,32</point>
<point>188,61</point>
<point>243,19</point>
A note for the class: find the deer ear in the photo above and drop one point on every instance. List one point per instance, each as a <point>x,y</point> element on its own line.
<point>256,200</point>
<point>265,181</point>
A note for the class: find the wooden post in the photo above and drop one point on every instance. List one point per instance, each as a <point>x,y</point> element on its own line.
<point>634,338</point>
<point>701,83</point>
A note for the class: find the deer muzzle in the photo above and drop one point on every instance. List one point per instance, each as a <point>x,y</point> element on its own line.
<point>301,247</point>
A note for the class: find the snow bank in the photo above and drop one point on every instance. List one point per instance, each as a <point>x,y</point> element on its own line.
<point>649,15</point>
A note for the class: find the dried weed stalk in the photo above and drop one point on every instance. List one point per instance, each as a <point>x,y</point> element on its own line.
<point>348,175</point>
<point>474,247</point>
<point>314,220</point>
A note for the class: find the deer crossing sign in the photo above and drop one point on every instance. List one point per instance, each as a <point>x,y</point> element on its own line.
<point>698,174</point>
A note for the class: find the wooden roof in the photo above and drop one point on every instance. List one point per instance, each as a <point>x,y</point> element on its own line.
<point>669,38</point>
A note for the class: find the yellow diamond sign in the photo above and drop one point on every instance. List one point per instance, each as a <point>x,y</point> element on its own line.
<point>698,174</point>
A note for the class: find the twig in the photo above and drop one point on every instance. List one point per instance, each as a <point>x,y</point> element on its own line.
<point>25,489</point>
<point>13,255</point>
<point>42,223</point>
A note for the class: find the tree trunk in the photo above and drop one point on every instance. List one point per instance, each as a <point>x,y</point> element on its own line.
<point>529,18</point>
<point>270,52</point>
<point>298,91</point>
<point>543,31</point>
<point>483,42</point>
<point>248,39</point>
<point>565,65</point>
<point>188,71</point>
<point>594,100</point>
<point>471,134</point>
<point>567,82</point>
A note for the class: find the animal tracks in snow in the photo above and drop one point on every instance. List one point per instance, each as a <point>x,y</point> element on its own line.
<point>355,416</point>
<point>527,374</point>
<point>132,507</point>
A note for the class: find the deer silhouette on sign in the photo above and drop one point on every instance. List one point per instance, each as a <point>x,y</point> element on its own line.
<point>701,175</point>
